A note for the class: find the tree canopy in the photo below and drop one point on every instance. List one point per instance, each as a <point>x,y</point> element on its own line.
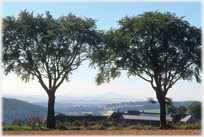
<point>46,48</point>
<point>194,109</point>
<point>160,48</point>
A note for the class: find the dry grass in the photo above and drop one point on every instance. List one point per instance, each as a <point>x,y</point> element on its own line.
<point>108,132</point>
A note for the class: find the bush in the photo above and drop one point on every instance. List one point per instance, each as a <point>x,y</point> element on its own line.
<point>112,128</point>
<point>148,127</point>
<point>91,123</point>
<point>98,127</point>
<point>84,123</point>
<point>82,127</point>
<point>188,126</point>
<point>67,123</point>
<point>105,124</point>
<point>76,123</point>
<point>124,124</point>
<point>113,123</point>
<point>30,121</point>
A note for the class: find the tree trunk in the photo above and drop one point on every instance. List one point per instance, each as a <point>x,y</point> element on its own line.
<point>161,99</point>
<point>51,112</point>
<point>162,113</point>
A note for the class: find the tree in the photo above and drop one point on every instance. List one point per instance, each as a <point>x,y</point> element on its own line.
<point>181,111</point>
<point>168,101</point>
<point>171,109</point>
<point>194,109</point>
<point>47,49</point>
<point>160,48</point>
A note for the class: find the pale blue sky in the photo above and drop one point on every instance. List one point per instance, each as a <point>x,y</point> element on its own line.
<point>107,14</point>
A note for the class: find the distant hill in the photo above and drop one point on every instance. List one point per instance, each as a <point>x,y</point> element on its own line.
<point>109,95</point>
<point>96,99</point>
<point>13,108</point>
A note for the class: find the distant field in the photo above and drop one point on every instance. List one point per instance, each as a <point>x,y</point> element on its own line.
<point>110,108</point>
<point>152,111</point>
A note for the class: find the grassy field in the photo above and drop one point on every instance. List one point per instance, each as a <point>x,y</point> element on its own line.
<point>152,111</point>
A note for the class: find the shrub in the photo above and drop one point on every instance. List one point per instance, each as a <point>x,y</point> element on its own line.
<point>18,122</point>
<point>60,125</point>
<point>138,126</point>
<point>85,123</point>
<point>113,123</point>
<point>4,123</point>
<point>124,124</point>
<point>30,121</point>
<point>188,126</point>
<point>148,127</point>
<point>104,123</point>
<point>196,125</point>
<point>76,123</point>
<point>112,128</point>
<point>67,123</point>
<point>38,122</point>
<point>82,127</point>
<point>99,127</point>
<point>91,123</point>
<point>57,124</point>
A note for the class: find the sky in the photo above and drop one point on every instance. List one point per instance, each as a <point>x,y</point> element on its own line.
<point>107,13</point>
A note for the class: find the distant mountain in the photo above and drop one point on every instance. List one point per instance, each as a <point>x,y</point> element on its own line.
<point>107,98</point>
<point>13,109</point>
<point>108,95</point>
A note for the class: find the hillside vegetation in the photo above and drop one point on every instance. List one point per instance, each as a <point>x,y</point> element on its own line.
<point>13,109</point>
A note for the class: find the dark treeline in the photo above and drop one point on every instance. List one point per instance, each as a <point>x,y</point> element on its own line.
<point>79,109</point>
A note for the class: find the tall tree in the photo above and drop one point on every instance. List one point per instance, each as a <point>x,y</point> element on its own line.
<point>181,111</point>
<point>160,48</point>
<point>194,109</point>
<point>47,49</point>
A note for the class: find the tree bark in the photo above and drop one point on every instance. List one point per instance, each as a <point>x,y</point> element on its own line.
<point>161,99</point>
<point>51,112</point>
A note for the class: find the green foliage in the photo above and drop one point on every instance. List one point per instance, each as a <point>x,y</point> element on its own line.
<point>171,109</point>
<point>13,109</point>
<point>44,47</point>
<point>61,126</point>
<point>160,48</point>
<point>98,127</point>
<point>18,122</point>
<point>194,109</point>
<point>112,128</point>
<point>182,110</point>
<point>18,128</point>
<point>34,122</point>
<point>183,125</point>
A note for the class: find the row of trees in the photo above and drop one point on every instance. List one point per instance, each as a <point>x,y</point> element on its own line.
<point>193,109</point>
<point>160,48</point>
<point>79,109</point>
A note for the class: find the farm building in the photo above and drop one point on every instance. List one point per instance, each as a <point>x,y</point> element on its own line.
<point>189,119</point>
<point>63,118</point>
<point>146,119</point>
<point>114,116</point>
<point>130,116</point>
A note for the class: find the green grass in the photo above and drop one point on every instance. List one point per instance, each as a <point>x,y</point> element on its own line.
<point>98,127</point>
<point>19,128</point>
<point>112,128</point>
<point>118,107</point>
<point>151,111</point>
<point>102,127</point>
